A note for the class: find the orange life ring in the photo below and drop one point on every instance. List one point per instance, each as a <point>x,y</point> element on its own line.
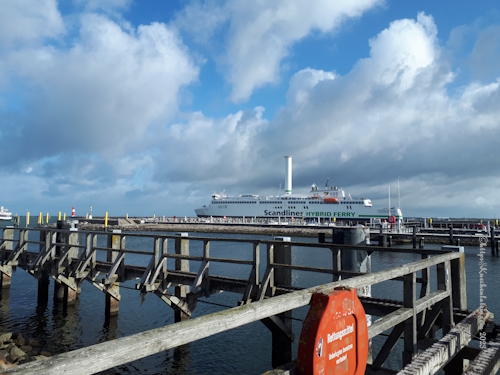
<point>334,337</point>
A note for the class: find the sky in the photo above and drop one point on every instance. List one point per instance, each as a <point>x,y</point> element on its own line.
<point>148,107</point>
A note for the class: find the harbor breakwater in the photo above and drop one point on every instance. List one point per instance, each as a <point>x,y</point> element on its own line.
<point>290,230</point>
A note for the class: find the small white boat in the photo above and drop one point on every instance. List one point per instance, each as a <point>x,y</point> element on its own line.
<point>5,214</point>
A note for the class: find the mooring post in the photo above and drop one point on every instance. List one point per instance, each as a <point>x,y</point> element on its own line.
<point>116,241</point>
<point>63,292</point>
<point>281,343</point>
<point>72,256</point>
<point>414,236</point>
<point>421,243</point>
<point>43,280</point>
<point>181,248</point>
<point>60,241</point>
<point>8,237</point>
<point>356,260</point>
<point>492,240</point>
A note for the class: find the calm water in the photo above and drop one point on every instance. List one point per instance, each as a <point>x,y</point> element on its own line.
<point>244,350</point>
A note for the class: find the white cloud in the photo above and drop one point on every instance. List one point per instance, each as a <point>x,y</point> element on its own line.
<point>262,33</point>
<point>29,21</point>
<point>302,82</point>
<point>101,95</point>
<point>390,115</point>
<point>109,6</point>
<point>202,148</point>
<point>101,119</point>
<point>403,50</point>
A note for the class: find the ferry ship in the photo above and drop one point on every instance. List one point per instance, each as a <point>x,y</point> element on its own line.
<point>328,203</point>
<point>5,214</point>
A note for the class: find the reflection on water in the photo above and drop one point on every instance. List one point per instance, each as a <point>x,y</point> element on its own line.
<point>246,349</point>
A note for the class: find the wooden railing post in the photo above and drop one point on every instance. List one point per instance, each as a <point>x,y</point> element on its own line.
<point>410,327</point>
<point>458,281</point>
<point>256,263</point>
<point>254,278</point>
<point>163,274</point>
<point>281,343</point>
<point>181,248</point>
<point>443,281</point>
<point>337,263</point>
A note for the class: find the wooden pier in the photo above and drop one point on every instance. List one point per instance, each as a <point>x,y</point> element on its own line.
<point>70,256</point>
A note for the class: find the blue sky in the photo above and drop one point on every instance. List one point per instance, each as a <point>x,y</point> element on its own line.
<point>147,107</point>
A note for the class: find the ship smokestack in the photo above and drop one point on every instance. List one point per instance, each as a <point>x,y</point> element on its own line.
<point>288,174</point>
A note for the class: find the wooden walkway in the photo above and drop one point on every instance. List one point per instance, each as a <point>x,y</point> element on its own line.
<point>268,297</point>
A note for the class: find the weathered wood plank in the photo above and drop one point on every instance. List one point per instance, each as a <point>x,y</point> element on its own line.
<point>486,363</point>
<point>438,355</point>
<point>404,313</point>
<point>458,283</point>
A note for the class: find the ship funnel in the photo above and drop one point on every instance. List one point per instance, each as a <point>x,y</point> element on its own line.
<point>288,174</point>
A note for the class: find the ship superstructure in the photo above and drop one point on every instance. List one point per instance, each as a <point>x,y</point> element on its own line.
<point>5,214</point>
<point>327,202</point>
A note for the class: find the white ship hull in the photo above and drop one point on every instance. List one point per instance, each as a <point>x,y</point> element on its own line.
<point>285,208</point>
<point>5,214</point>
<point>326,204</point>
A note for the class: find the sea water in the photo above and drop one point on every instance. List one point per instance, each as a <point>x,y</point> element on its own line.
<point>245,350</point>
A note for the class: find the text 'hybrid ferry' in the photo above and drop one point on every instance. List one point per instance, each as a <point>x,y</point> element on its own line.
<point>321,203</point>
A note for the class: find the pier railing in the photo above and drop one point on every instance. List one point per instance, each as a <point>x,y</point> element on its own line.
<point>269,298</point>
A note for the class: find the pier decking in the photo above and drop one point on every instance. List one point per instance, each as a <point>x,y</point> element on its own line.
<point>270,297</point>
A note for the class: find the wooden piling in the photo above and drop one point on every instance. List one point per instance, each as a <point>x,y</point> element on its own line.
<point>321,237</point>
<point>65,290</point>
<point>414,236</point>
<point>181,291</point>
<point>116,241</point>
<point>43,277</point>
<point>382,240</point>
<point>112,304</point>
<point>8,236</point>
<point>5,281</point>
<point>492,240</point>
<point>43,290</point>
<point>356,260</point>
